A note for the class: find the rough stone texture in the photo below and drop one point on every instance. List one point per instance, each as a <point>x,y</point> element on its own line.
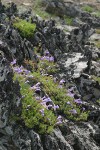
<point>9,96</point>
<point>60,8</point>
<point>75,55</point>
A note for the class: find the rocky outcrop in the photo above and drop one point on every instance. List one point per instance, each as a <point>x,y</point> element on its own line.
<point>77,60</point>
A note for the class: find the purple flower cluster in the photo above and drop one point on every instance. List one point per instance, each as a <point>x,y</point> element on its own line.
<point>36,87</point>
<point>13,62</point>
<point>47,56</point>
<point>42,112</point>
<point>70,92</point>
<point>78,101</point>
<point>48,103</point>
<point>59,120</point>
<point>73,111</point>
<point>20,70</point>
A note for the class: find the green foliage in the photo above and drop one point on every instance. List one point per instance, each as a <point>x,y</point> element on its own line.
<point>59,97</point>
<point>68,20</point>
<point>98,101</point>
<point>47,67</point>
<point>88,8</point>
<point>32,116</point>
<point>31,107</point>
<point>25,28</point>
<point>96,78</point>
<point>39,9</point>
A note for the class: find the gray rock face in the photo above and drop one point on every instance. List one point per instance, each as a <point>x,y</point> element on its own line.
<point>56,141</point>
<point>7,93</point>
<point>61,8</point>
<point>75,56</point>
<point>35,141</point>
<point>75,64</point>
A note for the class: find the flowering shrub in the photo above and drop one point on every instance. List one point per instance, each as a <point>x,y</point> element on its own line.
<point>45,98</point>
<point>34,114</point>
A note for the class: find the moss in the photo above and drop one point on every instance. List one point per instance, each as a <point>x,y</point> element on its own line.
<point>96,78</point>
<point>88,9</point>
<point>25,28</point>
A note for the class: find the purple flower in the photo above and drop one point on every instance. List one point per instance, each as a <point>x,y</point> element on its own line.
<point>83,109</point>
<point>71,94</point>
<point>26,81</point>
<point>37,98</point>
<point>38,84</point>
<point>62,81</point>
<point>68,103</point>
<point>30,76</point>
<point>46,58</point>
<point>59,122</point>
<point>18,69</point>
<point>78,101</point>
<point>26,71</point>
<point>47,100</point>
<point>59,118</point>
<point>51,59</point>
<point>13,62</point>
<point>49,106</point>
<point>37,89</point>
<point>73,111</point>
<point>60,86</point>
<point>46,52</point>
<point>56,107</point>
<point>42,112</point>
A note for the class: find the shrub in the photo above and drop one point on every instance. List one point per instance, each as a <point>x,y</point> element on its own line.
<point>25,28</point>
<point>31,109</point>
<point>59,97</point>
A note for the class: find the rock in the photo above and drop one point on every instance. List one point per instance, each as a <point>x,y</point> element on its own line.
<point>91,20</point>
<point>35,141</point>
<point>95,37</point>
<point>21,139</point>
<point>61,8</point>
<point>75,64</point>
<point>77,61</point>
<point>88,89</point>
<point>7,100</point>
<point>56,141</point>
